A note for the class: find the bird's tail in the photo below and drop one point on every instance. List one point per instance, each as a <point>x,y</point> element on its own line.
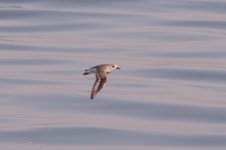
<point>89,71</point>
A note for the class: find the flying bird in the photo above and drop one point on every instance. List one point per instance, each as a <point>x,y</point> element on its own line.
<point>101,72</point>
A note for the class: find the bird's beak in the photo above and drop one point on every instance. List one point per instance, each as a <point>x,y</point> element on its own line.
<point>117,68</point>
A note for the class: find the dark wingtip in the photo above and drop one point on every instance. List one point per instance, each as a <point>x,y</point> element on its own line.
<point>85,73</point>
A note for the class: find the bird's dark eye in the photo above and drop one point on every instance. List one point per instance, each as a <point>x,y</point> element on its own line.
<point>113,66</point>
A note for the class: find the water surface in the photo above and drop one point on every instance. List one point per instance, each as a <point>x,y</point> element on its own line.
<point>169,94</point>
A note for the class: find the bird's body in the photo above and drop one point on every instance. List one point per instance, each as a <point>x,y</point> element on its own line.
<point>101,72</point>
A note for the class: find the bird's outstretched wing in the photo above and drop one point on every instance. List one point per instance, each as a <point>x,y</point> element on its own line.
<point>102,80</point>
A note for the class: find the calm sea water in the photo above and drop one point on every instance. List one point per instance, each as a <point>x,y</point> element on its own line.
<point>169,94</point>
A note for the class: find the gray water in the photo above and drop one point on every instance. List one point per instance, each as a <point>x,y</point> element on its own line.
<point>169,94</point>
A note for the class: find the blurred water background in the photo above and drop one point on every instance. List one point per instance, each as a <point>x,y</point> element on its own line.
<point>169,94</point>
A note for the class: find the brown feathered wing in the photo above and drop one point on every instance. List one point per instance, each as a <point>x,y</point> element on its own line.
<point>101,79</point>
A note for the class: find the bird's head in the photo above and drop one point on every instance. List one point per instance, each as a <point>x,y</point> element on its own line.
<point>115,67</point>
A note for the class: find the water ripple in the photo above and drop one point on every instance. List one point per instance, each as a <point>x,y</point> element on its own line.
<point>96,136</point>
<point>169,94</point>
<point>190,74</point>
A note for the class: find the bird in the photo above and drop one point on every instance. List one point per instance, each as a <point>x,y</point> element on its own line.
<point>101,72</point>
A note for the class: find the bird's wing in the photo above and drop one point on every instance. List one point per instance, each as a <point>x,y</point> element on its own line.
<point>102,79</point>
<point>101,84</point>
<point>93,93</point>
